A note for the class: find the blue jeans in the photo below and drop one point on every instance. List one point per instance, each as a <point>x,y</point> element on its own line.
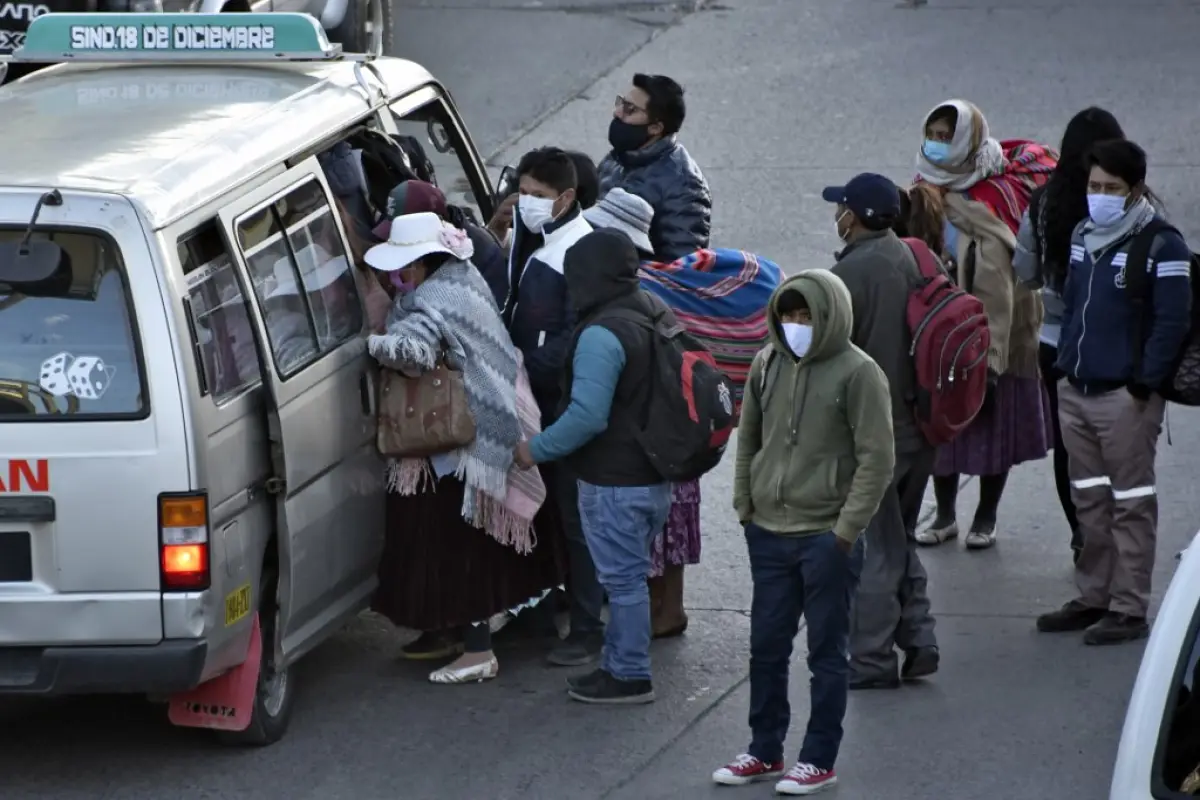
<point>620,523</point>
<point>796,575</point>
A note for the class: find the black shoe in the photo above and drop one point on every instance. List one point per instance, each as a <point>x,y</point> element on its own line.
<point>878,682</point>
<point>577,650</point>
<point>920,662</point>
<point>604,689</point>
<point>1116,628</point>
<point>1074,616</point>
<point>586,681</point>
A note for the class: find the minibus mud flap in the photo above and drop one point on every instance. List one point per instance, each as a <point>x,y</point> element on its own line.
<point>225,703</point>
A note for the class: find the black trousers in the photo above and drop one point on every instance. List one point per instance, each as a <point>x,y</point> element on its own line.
<point>1047,356</point>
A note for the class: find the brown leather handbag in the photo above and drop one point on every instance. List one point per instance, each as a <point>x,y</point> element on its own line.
<point>423,416</point>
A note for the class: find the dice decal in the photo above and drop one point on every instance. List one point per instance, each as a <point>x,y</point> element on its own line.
<point>86,377</point>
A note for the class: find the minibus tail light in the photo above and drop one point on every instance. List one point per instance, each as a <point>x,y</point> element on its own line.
<point>183,542</point>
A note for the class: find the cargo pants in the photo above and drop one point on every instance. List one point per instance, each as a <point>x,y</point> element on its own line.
<point>1112,440</point>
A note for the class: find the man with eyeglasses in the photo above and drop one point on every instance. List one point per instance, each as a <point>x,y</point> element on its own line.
<point>647,160</point>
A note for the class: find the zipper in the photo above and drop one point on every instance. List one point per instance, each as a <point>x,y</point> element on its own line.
<point>912,350</point>
<point>793,429</point>
<point>973,364</point>
<point>1083,314</point>
<point>969,320</point>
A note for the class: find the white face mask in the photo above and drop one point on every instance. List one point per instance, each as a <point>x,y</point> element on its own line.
<point>535,212</point>
<point>799,337</point>
<point>837,225</point>
<point>1105,209</point>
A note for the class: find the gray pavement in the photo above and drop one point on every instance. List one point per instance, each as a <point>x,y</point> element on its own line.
<point>785,97</point>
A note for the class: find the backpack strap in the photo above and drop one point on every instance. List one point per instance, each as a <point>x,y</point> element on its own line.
<point>766,380</point>
<point>1139,288</point>
<point>927,263</point>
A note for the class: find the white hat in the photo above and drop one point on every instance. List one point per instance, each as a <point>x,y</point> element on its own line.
<point>415,236</point>
<point>626,212</point>
<point>317,269</point>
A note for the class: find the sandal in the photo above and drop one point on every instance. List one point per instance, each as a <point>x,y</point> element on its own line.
<point>981,538</point>
<point>935,535</point>
<point>458,673</point>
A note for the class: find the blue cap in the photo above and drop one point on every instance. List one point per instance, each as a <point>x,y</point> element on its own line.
<point>868,195</point>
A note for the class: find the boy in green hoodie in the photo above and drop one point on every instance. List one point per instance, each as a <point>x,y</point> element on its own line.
<point>815,454</point>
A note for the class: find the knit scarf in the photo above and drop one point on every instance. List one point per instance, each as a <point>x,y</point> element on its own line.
<point>1097,239</point>
<point>453,312</point>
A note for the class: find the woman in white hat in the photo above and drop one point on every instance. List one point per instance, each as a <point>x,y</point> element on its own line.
<point>460,546</point>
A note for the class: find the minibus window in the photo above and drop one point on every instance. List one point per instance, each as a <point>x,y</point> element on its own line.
<point>223,335</point>
<point>68,346</point>
<point>302,278</point>
<point>450,155</point>
<point>1179,757</point>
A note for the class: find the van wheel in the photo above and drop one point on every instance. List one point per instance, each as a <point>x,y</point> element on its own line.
<point>366,28</point>
<point>276,690</point>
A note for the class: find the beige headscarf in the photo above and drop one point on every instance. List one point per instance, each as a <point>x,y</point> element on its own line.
<point>974,154</point>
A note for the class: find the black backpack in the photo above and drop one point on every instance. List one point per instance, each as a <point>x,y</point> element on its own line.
<point>1182,385</point>
<point>689,413</point>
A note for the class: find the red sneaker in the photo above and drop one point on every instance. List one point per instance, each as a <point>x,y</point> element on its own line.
<point>806,779</point>
<point>747,769</point>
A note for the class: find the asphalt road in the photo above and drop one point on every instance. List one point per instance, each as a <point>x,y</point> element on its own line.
<point>786,96</point>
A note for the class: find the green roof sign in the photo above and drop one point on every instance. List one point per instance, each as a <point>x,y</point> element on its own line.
<point>176,37</point>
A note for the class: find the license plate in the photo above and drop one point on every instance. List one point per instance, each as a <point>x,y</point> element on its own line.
<point>237,604</point>
<point>16,557</point>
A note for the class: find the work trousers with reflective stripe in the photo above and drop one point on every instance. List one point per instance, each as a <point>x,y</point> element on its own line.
<point>1111,441</point>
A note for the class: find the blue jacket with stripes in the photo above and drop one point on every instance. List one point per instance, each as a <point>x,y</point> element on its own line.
<point>1096,344</point>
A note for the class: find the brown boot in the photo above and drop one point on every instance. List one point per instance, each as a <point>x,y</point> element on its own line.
<point>667,618</point>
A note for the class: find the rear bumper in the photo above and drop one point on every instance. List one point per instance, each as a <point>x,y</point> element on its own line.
<point>164,668</point>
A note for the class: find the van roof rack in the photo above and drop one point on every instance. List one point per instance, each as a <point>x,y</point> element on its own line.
<point>178,38</point>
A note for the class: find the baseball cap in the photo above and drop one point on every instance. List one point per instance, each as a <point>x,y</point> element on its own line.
<point>868,195</point>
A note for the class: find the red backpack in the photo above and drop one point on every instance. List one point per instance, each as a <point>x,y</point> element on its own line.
<point>950,341</point>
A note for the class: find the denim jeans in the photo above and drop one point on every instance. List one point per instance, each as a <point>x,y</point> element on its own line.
<point>620,523</point>
<point>796,575</point>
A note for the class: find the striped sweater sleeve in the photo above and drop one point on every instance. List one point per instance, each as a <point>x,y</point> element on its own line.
<point>1172,308</point>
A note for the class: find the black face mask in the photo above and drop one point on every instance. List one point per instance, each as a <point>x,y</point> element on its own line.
<point>625,137</point>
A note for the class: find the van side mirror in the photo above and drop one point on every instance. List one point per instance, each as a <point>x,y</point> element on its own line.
<point>506,184</point>
<point>36,268</point>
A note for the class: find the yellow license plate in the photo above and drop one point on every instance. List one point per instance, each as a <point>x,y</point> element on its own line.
<point>237,604</point>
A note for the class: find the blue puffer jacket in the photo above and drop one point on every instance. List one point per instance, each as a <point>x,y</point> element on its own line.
<point>667,178</point>
<point>1095,348</point>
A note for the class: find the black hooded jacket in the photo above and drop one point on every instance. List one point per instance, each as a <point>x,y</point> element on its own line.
<point>601,273</point>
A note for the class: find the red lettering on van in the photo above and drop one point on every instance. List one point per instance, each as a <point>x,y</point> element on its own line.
<point>26,476</point>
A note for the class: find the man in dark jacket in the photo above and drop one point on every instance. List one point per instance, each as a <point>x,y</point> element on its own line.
<point>541,321</point>
<point>623,501</point>
<point>1117,358</point>
<point>647,160</point>
<point>880,271</point>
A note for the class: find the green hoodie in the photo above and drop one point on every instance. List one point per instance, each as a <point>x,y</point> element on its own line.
<point>815,450</point>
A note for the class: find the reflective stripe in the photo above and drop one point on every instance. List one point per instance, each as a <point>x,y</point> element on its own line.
<point>1091,483</point>
<point>1133,494</point>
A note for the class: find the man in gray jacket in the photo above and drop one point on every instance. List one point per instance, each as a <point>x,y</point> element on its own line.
<point>892,609</point>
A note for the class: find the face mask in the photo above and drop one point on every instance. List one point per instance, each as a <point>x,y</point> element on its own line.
<point>398,283</point>
<point>837,224</point>
<point>625,137</point>
<point>1105,209</point>
<point>936,152</point>
<point>799,337</point>
<point>535,212</point>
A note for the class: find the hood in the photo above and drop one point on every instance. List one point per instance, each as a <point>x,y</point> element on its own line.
<point>831,308</point>
<point>599,268</point>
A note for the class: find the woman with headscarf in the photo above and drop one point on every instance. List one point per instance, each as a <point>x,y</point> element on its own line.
<point>1042,254</point>
<point>986,185</point>
<point>461,544</point>
<point>721,297</point>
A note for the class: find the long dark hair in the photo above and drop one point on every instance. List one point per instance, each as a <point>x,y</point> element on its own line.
<point>1063,201</point>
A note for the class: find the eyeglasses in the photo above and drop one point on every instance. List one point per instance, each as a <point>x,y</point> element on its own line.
<point>627,108</point>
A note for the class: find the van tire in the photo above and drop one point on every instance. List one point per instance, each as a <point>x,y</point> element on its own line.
<point>276,691</point>
<point>352,33</point>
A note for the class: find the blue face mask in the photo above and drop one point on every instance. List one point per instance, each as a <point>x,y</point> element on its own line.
<point>936,152</point>
<point>1105,209</point>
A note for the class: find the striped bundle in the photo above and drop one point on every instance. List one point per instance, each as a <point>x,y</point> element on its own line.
<point>721,297</point>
